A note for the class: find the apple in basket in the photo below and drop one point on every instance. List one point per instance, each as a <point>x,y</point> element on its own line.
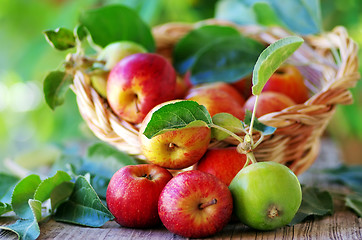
<point>138,83</point>
<point>269,102</point>
<point>195,204</point>
<point>218,98</point>
<point>174,149</point>
<point>288,80</point>
<point>133,192</point>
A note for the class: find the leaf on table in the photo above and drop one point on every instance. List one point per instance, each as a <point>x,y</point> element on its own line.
<point>60,38</point>
<point>4,208</point>
<point>7,183</point>
<point>177,115</point>
<point>271,58</point>
<point>83,207</point>
<point>115,23</point>
<point>299,16</point>
<point>27,229</point>
<point>350,176</point>
<point>226,59</point>
<point>185,51</point>
<point>24,191</point>
<point>227,121</point>
<point>314,203</point>
<point>56,85</point>
<point>264,129</point>
<point>354,201</point>
<point>60,194</point>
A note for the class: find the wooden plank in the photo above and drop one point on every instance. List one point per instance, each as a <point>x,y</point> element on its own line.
<point>343,224</point>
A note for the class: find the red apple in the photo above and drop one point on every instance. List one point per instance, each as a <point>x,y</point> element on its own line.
<point>288,80</point>
<point>195,204</point>
<point>216,100</point>
<point>138,83</point>
<point>243,86</point>
<point>224,163</point>
<point>133,192</point>
<point>269,102</point>
<point>181,87</point>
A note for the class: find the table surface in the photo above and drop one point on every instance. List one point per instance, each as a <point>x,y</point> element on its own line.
<point>343,224</point>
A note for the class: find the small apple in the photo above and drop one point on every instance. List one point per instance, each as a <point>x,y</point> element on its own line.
<point>244,86</point>
<point>216,100</point>
<point>268,102</point>
<point>224,163</point>
<point>116,51</point>
<point>287,79</point>
<point>99,81</point>
<point>138,83</point>
<point>195,204</point>
<point>133,192</point>
<point>174,149</point>
<point>266,195</point>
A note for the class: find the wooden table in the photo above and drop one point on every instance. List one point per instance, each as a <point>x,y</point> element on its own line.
<point>343,224</point>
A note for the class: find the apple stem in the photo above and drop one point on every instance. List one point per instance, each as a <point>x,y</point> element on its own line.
<point>253,116</point>
<point>148,176</point>
<point>227,131</point>
<point>205,205</point>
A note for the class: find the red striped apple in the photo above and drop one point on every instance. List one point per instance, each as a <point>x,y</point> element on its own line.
<point>138,83</point>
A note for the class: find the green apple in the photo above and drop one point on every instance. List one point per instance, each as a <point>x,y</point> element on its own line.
<point>116,51</point>
<point>266,195</point>
<point>99,81</point>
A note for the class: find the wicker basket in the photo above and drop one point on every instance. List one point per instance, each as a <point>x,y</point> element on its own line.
<point>296,142</point>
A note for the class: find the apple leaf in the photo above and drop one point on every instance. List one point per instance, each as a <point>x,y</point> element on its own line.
<point>83,207</point>
<point>7,183</point>
<point>115,23</point>
<point>264,129</point>
<point>314,203</point>
<point>271,58</point>
<point>60,38</point>
<point>27,229</point>
<point>354,201</point>
<point>60,194</point>
<point>24,191</point>
<point>176,115</point>
<point>56,85</point>
<point>4,208</point>
<point>227,121</point>
<point>226,59</point>
<point>185,51</point>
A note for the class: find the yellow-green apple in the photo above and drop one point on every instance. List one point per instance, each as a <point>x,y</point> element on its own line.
<point>195,204</point>
<point>224,163</point>
<point>133,192</point>
<point>243,86</point>
<point>116,51</point>
<point>268,102</point>
<point>176,149</point>
<point>138,83</point>
<point>99,81</point>
<point>287,79</point>
<point>216,99</point>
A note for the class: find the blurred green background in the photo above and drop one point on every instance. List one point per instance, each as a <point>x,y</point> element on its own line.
<point>32,134</point>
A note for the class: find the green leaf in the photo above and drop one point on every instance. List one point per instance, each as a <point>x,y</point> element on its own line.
<point>60,194</point>
<point>115,23</point>
<point>80,32</point>
<point>354,201</point>
<point>351,176</point>
<point>4,208</point>
<point>301,16</point>
<point>227,121</point>
<point>7,182</point>
<point>264,129</point>
<point>27,229</point>
<point>226,59</point>
<point>176,115</point>
<point>45,188</point>
<point>56,85</point>
<point>83,207</point>
<point>186,49</point>
<point>271,58</point>
<point>60,38</point>
<point>24,191</point>
<point>314,203</point>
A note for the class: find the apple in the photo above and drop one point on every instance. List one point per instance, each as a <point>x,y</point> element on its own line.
<point>268,102</point>
<point>216,100</point>
<point>195,204</point>
<point>176,149</point>
<point>138,83</point>
<point>244,86</point>
<point>181,87</point>
<point>267,195</point>
<point>224,163</point>
<point>226,88</point>
<point>116,51</point>
<point>99,81</point>
<point>133,192</point>
<point>287,79</point>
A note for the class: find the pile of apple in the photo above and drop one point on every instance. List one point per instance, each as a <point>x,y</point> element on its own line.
<point>197,202</point>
